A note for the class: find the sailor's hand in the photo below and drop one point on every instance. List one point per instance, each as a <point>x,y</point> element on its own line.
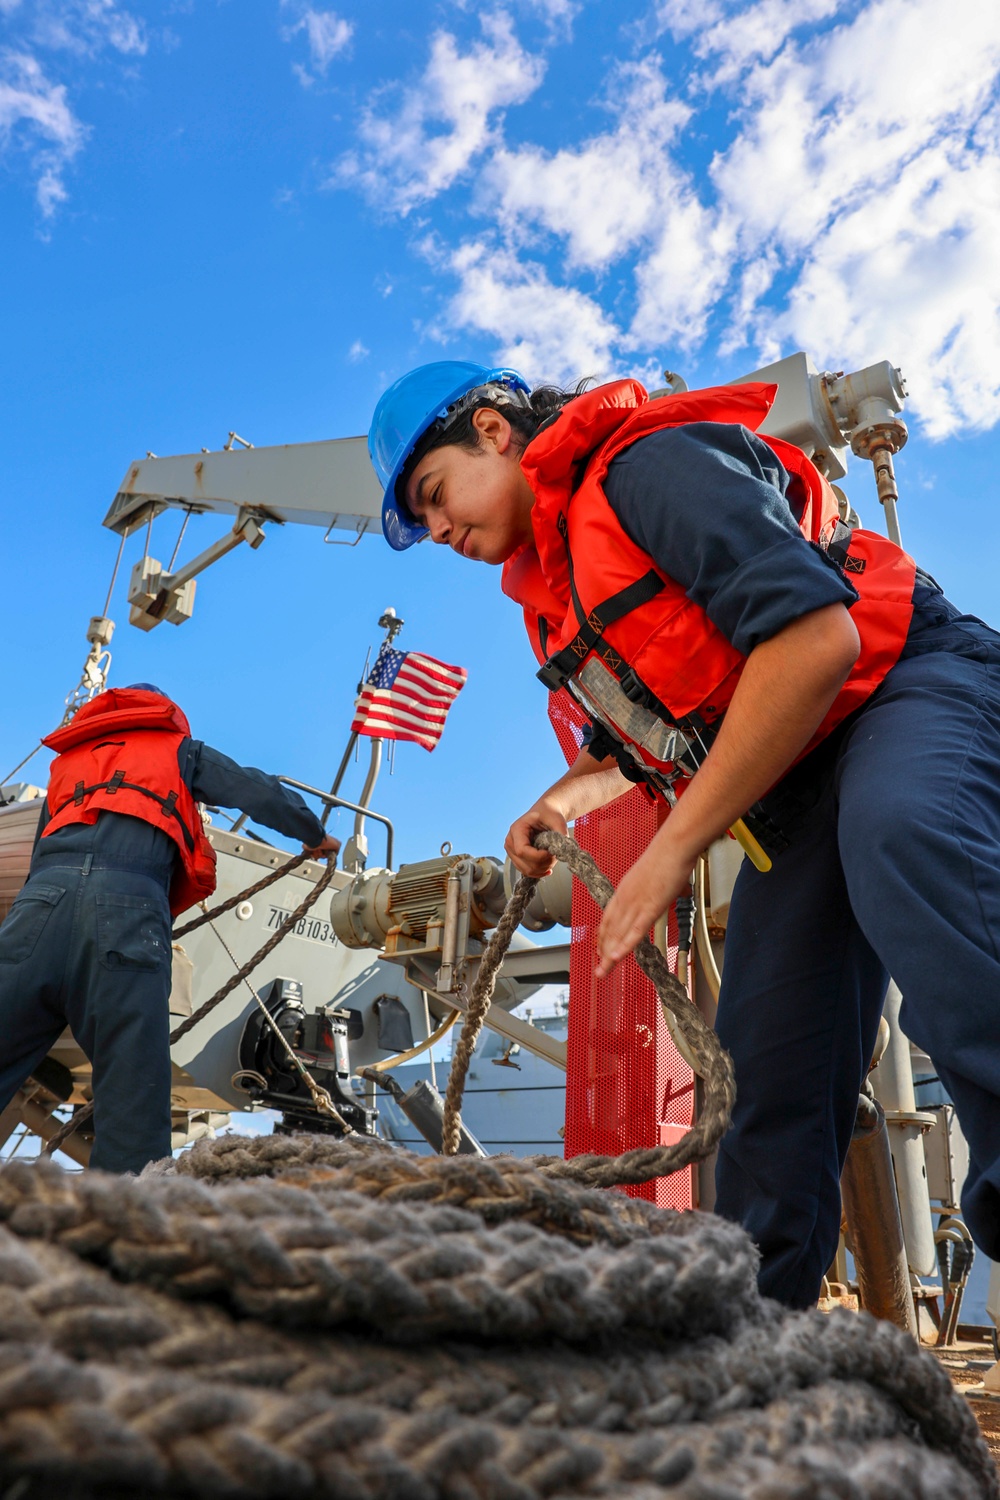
<point>528,859</point>
<point>645,893</point>
<point>329,848</point>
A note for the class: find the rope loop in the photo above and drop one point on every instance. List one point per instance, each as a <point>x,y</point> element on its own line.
<point>715,1066</point>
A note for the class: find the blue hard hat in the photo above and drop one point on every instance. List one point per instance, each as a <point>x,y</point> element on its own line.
<point>145,687</point>
<point>410,406</point>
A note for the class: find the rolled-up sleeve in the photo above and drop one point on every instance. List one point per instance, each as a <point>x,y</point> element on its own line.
<point>221,782</point>
<point>712,506</point>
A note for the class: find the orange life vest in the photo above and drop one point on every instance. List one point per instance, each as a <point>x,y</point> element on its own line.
<point>119,754</point>
<point>596,606</point>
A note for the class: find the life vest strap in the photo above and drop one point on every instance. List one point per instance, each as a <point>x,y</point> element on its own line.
<point>589,637</point>
<point>117,782</point>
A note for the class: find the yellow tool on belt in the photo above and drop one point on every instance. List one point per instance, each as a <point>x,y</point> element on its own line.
<point>750,846</point>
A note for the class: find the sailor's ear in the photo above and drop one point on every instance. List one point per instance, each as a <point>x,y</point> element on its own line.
<point>493,428</point>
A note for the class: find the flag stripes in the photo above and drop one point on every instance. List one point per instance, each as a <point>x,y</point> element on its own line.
<point>407,697</point>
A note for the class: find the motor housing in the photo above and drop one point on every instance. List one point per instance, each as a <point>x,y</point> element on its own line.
<point>320,1040</point>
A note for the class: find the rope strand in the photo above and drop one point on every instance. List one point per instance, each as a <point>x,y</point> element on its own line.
<point>252,890</point>
<point>714,1064</point>
<point>258,957</point>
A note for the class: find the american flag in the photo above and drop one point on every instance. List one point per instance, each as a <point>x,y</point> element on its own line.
<point>407,697</point>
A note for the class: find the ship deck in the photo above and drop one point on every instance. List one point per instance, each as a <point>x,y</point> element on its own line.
<point>967,1361</point>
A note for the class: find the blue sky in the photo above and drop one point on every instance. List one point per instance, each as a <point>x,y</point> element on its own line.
<point>253,214</point>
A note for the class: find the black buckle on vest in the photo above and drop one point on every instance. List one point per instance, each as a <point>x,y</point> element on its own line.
<point>79,793</point>
<point>553,675</point>
<point>115,783</point>
<point>169,804</point>
<point>634,690</point>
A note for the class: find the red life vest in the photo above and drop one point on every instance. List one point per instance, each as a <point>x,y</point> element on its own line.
<point>119,754</point>
<point>591,596</point>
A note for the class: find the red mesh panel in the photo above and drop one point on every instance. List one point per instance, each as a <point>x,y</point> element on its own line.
<point>626,1084</point>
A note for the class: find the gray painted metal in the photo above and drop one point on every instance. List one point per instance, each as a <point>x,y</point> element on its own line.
<point>801,413</point>
<point>327,971</point>
<point>329,484</point>
<point>892,1083</point>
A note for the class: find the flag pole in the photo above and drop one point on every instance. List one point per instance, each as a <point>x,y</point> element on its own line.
<point>390,622</point>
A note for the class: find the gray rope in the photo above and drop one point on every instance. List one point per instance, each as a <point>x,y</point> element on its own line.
<point>714,1064</point>
<point>194,1335</point>
<point>79,1117</point>
<point>479,1004</point>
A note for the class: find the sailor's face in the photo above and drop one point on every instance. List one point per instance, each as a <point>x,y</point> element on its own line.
<point>477,502</point>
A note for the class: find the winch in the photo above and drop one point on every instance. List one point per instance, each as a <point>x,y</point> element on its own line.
<point>434,913</point>
<point>320,1040</point>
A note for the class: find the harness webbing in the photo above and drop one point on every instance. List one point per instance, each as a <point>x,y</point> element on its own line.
<point>591,626</point>
<point>168,804</point>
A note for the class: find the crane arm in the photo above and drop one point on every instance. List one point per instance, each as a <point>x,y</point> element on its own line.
<point>329,484</point>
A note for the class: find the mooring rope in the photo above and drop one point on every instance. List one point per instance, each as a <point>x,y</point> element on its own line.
<point>325,1331</point>
<point>306,1318</point>
<point>714,1063</point>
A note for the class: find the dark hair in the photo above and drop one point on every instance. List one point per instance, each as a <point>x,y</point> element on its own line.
<point>526,416</point>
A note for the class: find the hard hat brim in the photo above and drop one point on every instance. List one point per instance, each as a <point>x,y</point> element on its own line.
<point>399,528</point>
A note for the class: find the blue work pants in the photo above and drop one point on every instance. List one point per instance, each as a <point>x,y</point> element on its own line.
<point>87,944</point>
<point>894,869</point>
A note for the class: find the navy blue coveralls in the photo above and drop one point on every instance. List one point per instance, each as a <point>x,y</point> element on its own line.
<point>86,944</point>
<point>893,865</point>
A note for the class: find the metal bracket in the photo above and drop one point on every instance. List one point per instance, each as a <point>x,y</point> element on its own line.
<point>362,529</point>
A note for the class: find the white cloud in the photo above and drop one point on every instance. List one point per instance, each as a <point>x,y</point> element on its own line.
<point>609,193</point>
<point>547,331</point>
<point>35,116</point>
<point>85,27</point>
<point>852,205</point>
<point>358,351</point>
<point>736,35</point>
<point>445,120</point>
<point>50,41</point>
<point>560,14</point>
<point>867,165</point>
<point>327,34</point>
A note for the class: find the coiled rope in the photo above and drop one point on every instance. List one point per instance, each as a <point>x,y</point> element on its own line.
<point>312,1319</point>
<point>714,1065</point>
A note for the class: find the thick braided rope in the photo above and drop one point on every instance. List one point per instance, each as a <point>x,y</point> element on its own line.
<point>108,1378</point>
<point>311,1253</point>
<point>714,1063</point>
<point>258,958</point>
<point>497,1188</point>
<point>251,890</point>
